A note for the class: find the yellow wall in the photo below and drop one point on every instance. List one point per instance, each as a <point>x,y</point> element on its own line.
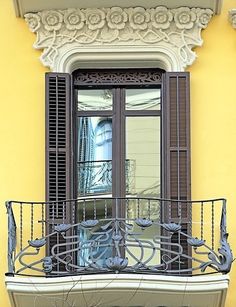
<point>213,121</point>
<point>21,121</point>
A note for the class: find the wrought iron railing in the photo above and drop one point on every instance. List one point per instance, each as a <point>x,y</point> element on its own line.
<point>130,235</point>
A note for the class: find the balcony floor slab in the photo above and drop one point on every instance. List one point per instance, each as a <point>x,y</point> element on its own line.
<point>111,290</point>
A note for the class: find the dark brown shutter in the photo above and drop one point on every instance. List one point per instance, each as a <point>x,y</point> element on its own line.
<point>59,153</point>
<point>176,155</point>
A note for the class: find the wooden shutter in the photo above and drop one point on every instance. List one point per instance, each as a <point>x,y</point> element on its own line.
<point>59,172</point>
<point>176,155</point>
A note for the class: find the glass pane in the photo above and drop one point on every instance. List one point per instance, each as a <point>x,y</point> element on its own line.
<point>143,153</point>
<point>143,99</point>
<point>94,156</point>
<point>143,181</point>
<point>94,99</point>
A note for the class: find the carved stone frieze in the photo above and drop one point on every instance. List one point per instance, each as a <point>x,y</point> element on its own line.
<point>178,30</point>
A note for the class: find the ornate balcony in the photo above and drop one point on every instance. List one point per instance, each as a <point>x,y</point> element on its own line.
<point>117,235</point>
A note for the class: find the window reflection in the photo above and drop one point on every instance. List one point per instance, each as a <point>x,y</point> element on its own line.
<point>94,99</point>
<point>143,99</point>
<point>94,155</point>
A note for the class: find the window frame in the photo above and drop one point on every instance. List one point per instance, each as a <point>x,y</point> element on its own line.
<point>118,117</point>
<point>176,175</point>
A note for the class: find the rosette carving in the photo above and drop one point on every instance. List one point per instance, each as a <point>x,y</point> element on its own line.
<point>161,17</point>
<point>203,17</point>
<point>138,18</point>
<point>184,18</point>
<point>74,19</point>
<point>174,30</point>
<point>52,20</point>
<point>116,18</point>
<point>33,22</point>
<point>95,18</point>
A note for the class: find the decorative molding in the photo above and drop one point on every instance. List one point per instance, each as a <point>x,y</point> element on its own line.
<point>232,17</point>
<point>117,290</point>
<point>176,31</point>
<point>132,76</point>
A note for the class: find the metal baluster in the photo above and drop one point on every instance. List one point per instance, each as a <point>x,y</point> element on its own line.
<point>42,210</point>
<point>105,209</point>
<point>138,207</point>
<point>73,212</point>
<point>32,222</point>
<point>53,212</point>
<point>73,232</point>
<point>169,210</point>
<point>78,210</point>
<point>63,212</point>
<point>127,208</point>
<point>212,225</point>
<point>179,208</point>
<point>94,209</point>
<point>190,212</point>
<point>57,209</point>
<point>21,224</point>
<point>116,208</point>
<point>84,210</point>
<point>202,217</point>
<point>149,209</point>
<point>179,260</point>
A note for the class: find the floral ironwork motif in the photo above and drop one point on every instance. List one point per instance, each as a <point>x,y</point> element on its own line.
<point>131,243</point>
<point>143,223</point>
<point>172,227</point>
<point>195,242</point>
<point>176,28</point>
<point>37,243</point>
<point>62,227</point>
<point>89,223</point>
<point>116,263</point>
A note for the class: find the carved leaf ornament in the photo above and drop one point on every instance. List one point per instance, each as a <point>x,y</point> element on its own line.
<point>176,28</point>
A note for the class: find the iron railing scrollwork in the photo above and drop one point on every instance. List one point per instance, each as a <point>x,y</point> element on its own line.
<point>104,240</point>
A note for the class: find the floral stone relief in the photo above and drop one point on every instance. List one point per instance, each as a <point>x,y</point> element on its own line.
<point>178,29</point>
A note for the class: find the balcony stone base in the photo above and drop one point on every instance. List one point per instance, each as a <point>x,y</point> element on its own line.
<point>109,290</point>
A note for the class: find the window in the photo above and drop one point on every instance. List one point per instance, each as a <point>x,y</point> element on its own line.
<point>118,143</point>
<point>124,98</point>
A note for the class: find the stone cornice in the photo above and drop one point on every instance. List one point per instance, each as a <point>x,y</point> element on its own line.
<point>178,30</point>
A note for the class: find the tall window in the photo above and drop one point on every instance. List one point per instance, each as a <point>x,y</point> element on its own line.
<point>119,125</point>
<point>138,119</point>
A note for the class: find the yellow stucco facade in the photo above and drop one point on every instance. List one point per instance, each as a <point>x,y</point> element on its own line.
<point>22,122</point>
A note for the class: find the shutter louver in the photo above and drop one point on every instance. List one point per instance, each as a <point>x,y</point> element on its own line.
<point>59,185</point>
<point>176,156</point>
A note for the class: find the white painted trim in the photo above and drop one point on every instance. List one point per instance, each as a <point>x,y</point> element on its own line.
<point>138,57</point>
<point>26,6</point>
<point>119,37</point>
<point>173,283</point>
<point>208,288</point>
